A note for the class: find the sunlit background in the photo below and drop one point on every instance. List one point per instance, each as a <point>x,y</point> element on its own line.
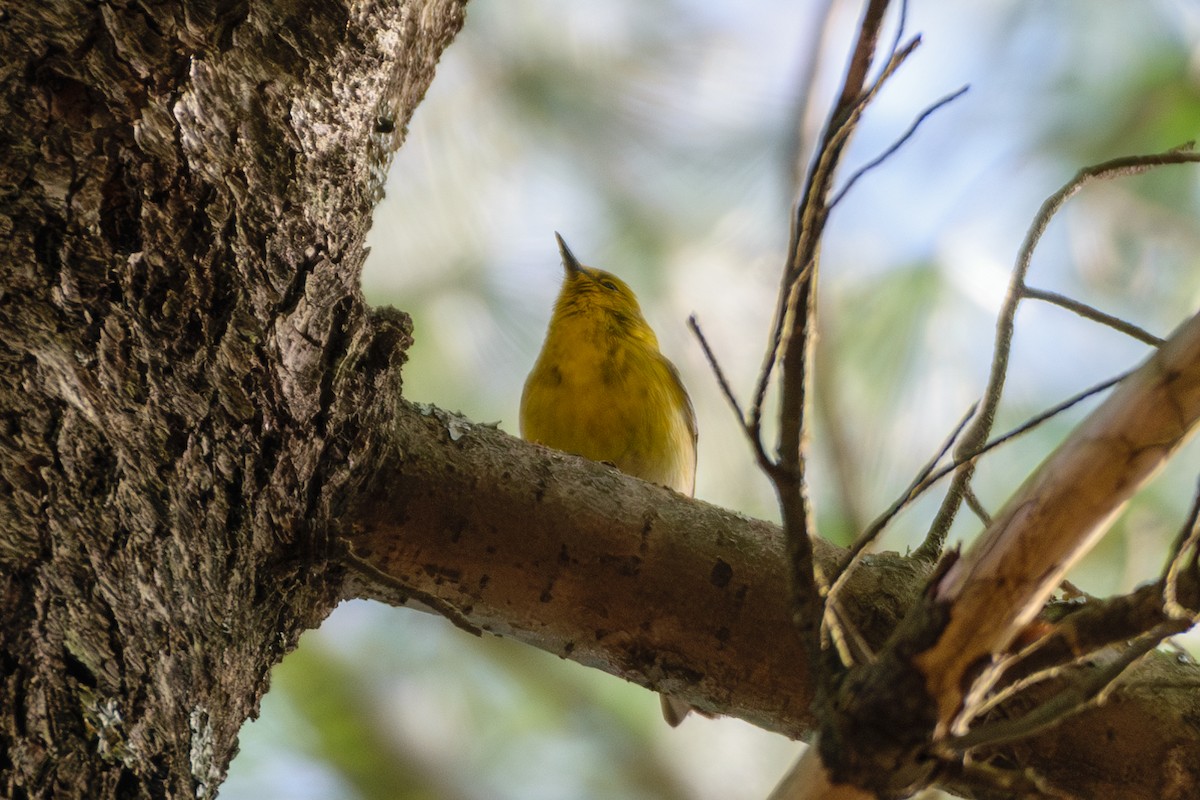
<point>659,139</point>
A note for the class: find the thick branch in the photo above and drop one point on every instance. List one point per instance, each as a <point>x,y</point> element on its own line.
<point>580,560</point>
<point>1058,513</point>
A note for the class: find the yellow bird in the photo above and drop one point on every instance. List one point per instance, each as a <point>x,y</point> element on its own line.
<point>601,389</point>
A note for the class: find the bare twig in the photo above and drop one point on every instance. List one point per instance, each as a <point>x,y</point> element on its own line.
<point>1056,668</point>
<point>1170,614</point>
<point>794,319</point>
<point>726,389</point>
<point>1053,411</point>
<point>1092,626</point>
<point>896,145</point>
<point>860,60</point>
<point>804,109</point>
<point>1059,512</point>
<point>981,601</point>
<point>918,485</point>
<point>1075,697</point>
<point>1094,314</point>
<point>795,322</point>
<point>976,505</point>
<point>831,621</point>
<point>1003,782</point>
<point>1013,689</point>
<point>901,22</point>
<point>1185,542</point>
<point>808,221</point>
<point>930,553</point>
<point>978,432</point>
<point>840,631</point>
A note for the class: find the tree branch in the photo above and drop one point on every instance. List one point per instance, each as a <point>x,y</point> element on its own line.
<point>581,560</point>
<point>981,427</point>
<point>795,327</point>
<point>1059,512</point>
<point>668,592</point>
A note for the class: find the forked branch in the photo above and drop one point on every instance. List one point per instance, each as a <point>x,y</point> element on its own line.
<point>978,605</point>
<point>979,430</point>
<point>1058,513</point>
<point>792,337</point>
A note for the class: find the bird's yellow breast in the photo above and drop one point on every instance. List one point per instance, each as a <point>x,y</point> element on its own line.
<point>602,390</point>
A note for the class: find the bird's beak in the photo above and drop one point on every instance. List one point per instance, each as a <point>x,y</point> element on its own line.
<point>570,262</point>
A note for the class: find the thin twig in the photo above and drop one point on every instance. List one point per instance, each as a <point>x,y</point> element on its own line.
<point>918,485</point>
<point>791,340</point>
<point>976,505</point>
<point>813,47</point>
<point>896,145</point>
<point>900,24</point>
<point>930,552</point>
<point>798,159</point>
<point>840,631</point>
<point>1005,693</point>
<point>1038,419</point>
<point>1060,511</point>
<point>830,622</point>
<point>1068,631</point>
<point>979,430</point>
<point>1094,314</point>
<point>1072,700</point>
<point>1003,782</point>
<point>726,389</point>
<point>861,58</point>
<point>809,218</point>
<point>436,604</point>
<point>1185,542</point>
<point>794,325</point>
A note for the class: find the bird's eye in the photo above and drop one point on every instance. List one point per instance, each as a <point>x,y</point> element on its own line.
<point>609,285</point>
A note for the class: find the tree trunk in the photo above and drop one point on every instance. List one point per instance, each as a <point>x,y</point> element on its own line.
<point>191,383</point>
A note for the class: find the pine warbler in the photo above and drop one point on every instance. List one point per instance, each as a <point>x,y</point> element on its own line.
<point>602,390</point>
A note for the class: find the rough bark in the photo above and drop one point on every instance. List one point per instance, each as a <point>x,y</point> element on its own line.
<point>190,382</point>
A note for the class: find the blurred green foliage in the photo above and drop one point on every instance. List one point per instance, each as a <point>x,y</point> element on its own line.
<point>656,138</point>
